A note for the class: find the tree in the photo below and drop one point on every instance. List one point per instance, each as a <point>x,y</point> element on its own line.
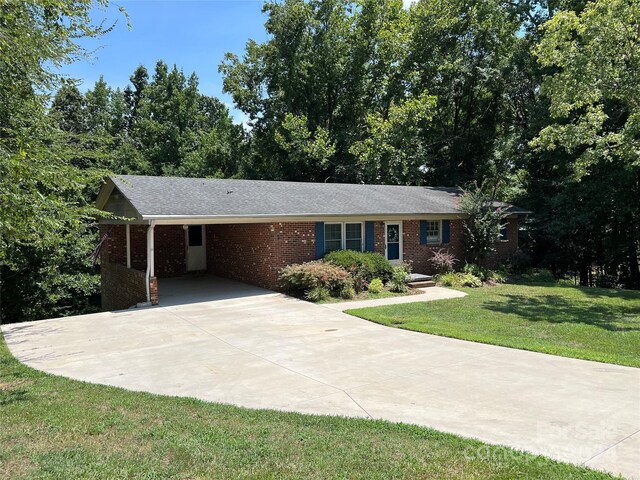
<point>392,151</point>
<point>593,67</point>
<point>483,225</point>
<point>42,199</point>
<point>330,62</point>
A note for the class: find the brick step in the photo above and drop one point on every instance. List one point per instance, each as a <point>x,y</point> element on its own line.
<point>425,284</point>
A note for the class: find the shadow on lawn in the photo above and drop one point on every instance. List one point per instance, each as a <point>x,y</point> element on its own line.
<point>557,309</point>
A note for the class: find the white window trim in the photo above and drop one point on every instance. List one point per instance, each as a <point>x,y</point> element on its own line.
<point>439,242</point>
<point>401,246</point>
<point>343,234</point>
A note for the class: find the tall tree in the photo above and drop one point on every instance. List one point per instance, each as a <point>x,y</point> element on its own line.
<point>593,62</point>
<point>41,195</point>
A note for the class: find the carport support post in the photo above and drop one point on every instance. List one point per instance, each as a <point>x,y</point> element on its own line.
<point>150,259</point>
<point>128,232</point>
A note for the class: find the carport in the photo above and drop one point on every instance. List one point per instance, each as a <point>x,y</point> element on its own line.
<point>192,289</point>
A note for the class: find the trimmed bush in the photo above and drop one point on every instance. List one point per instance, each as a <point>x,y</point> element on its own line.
<point>376,286</point>
<point>317,294</point>
<point>453,279</point>
<point>476,271</point>
<point>442,261</point>
<point>539,275</point>
<point>398,281</point>
<point>302,278</point>
<point>469,280</point>
<point>450,279</point>
<point>363,266</point>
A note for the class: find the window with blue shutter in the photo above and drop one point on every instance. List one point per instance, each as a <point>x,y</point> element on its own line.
<point>446,231</point>
<point>319,239</point>
<point>423,232</point>
<point>368,236</point>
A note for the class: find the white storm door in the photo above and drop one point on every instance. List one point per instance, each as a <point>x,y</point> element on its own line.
<point>196,248</point>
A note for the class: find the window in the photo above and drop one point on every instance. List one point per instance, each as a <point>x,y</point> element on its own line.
<point>353,236</point>
<point>332,236</point>
<point>504,233</point>
<point>195,235</point>
<point>342,236</point>
<point>433,231</point>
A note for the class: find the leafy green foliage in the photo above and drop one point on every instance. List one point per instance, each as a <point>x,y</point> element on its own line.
<point>482,227</point>
<point>363,266</point>
<point>317,294</point>
<point>398,281</point>
<point>589,178</point>
<point>44,204</point>
<point>302,278</point>
<point>375,286</point>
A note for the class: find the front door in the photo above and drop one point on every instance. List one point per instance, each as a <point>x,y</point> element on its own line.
<point>196,248</point>
<point>393,237</point>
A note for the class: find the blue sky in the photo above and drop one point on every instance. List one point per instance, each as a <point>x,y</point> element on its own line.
<point>194,35</point>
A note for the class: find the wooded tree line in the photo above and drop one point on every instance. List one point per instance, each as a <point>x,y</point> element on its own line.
<point>537,101</point>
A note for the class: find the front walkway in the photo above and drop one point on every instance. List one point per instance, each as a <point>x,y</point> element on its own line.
<point>271,351</point>
<point>425,295</point>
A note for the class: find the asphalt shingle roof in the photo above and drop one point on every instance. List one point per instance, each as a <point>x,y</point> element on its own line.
<point>158,196</point>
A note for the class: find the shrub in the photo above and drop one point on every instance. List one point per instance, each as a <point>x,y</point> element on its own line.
<point>398,281</point>
<point>519,262</point>
<point>305,277</point>
<point>442,261</point>
<point>453,279</point>
<point>450,279</point>
<point>476,271</point>
<point>495,277</point>
<point>376,285</point>
<point>539,275</point>
<point>363,266</point>
<point>469,280</point>
<point>317,294</point>
<point>347,293</point>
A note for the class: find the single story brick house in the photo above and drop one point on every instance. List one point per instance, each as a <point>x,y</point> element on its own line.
<point>247,230</point>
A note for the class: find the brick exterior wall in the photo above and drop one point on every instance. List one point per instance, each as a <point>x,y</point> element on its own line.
<point>418,255</point>
<point>255,252</point>
<point>124,287</point>
<point>251,253</point>
<point>504,249</point>
<point>170,251</point>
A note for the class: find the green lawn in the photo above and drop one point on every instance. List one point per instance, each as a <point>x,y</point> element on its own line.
<point>589,323</point>
<point>52,427</point>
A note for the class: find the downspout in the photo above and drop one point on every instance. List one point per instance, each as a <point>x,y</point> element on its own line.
<point>150,260</point>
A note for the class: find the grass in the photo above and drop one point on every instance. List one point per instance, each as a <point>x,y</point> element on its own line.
<point>570,321</point>
<point>52,427</point>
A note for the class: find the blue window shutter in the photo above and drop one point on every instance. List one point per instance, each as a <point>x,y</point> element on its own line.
<point>423,232</point>
<point>368,236</point>
<point>319,239</point>
<point>446,231</point>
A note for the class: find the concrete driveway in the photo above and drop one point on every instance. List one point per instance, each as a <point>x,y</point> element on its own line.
<point>259,349</point>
